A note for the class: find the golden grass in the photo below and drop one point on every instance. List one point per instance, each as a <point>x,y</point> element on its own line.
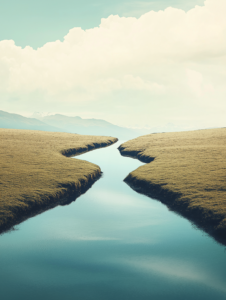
<point>186,171</point>
<point>35,174</point>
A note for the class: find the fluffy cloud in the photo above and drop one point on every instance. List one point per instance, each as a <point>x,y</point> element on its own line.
<point>171,58</point>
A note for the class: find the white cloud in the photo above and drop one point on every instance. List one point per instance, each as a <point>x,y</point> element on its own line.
<point>164,59</point>
<point>197,85</point>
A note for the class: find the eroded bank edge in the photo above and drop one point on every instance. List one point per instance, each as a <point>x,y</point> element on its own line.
<point>204,219</point>
<point>93,146</point>
<point>69,193</point>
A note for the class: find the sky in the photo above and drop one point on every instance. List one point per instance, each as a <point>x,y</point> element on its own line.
<point>132,63</point>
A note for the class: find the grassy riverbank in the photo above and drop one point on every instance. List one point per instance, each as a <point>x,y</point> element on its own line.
<point>187,172</point>
<point>36,173</point>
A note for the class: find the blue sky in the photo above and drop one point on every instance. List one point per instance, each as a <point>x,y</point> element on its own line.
<point>35,23</point>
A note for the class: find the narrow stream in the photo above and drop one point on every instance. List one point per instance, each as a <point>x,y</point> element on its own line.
<point>111,243</point>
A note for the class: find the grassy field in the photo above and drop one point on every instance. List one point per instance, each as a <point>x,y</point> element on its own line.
<point>187,172</point>
<point>36,173</point>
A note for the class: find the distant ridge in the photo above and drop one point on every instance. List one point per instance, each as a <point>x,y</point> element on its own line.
<point>62,123</point>
<point>15,121</point>
<point>88,126</point>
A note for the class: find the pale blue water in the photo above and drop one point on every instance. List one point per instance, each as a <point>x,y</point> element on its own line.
<point>111,243</point>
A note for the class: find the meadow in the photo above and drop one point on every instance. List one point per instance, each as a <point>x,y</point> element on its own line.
<point>187,172</point>
<point>36,172</point>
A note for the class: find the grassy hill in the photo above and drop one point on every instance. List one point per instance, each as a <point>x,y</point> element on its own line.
<point>36,172</point>
<point>187,172</point>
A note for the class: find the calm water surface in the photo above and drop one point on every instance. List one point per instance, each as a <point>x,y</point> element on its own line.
<point>111,243</point>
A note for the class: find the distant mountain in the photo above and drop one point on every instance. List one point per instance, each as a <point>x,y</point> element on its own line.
<point>89,126</point>
<point>15,121</point>
<point>61,123</point>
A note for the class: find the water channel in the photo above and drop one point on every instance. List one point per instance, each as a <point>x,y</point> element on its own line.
<point>111,243</point>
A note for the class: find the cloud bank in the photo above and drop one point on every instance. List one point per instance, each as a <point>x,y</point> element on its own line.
<point>164,66</point>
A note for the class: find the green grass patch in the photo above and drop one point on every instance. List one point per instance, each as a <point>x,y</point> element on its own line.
<point>187,172</point>
<point>36,172</point>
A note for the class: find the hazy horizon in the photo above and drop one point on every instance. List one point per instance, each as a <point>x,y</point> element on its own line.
<point>134,64</point>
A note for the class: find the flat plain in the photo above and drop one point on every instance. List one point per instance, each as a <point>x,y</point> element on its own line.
<point>36,172</point>
<point>187,172</point>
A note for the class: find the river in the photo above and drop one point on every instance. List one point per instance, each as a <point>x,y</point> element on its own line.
<point>111,243</point>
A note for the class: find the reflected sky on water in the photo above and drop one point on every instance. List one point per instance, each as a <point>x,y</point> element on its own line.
<point>111,243</point>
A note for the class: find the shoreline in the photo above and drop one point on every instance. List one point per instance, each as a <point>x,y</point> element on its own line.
<point>68,195</point>
<point>206,220</point>
<point>42,174</point>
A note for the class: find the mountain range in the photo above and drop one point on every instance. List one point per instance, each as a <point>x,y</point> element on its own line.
<point>62,123</point>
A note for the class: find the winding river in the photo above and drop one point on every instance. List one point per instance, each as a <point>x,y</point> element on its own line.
<point>111,243</point>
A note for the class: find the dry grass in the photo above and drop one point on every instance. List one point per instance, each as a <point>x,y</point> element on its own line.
<point>186,171</point>
<point>34,175</point>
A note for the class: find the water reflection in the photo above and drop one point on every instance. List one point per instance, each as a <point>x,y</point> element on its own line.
<point>112,243</point>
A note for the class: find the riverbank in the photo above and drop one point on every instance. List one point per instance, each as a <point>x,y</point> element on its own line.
<point>36,173</point>
<point>186,171</point>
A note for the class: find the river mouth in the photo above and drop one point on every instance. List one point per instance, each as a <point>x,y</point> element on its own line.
<point>111,243</point>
